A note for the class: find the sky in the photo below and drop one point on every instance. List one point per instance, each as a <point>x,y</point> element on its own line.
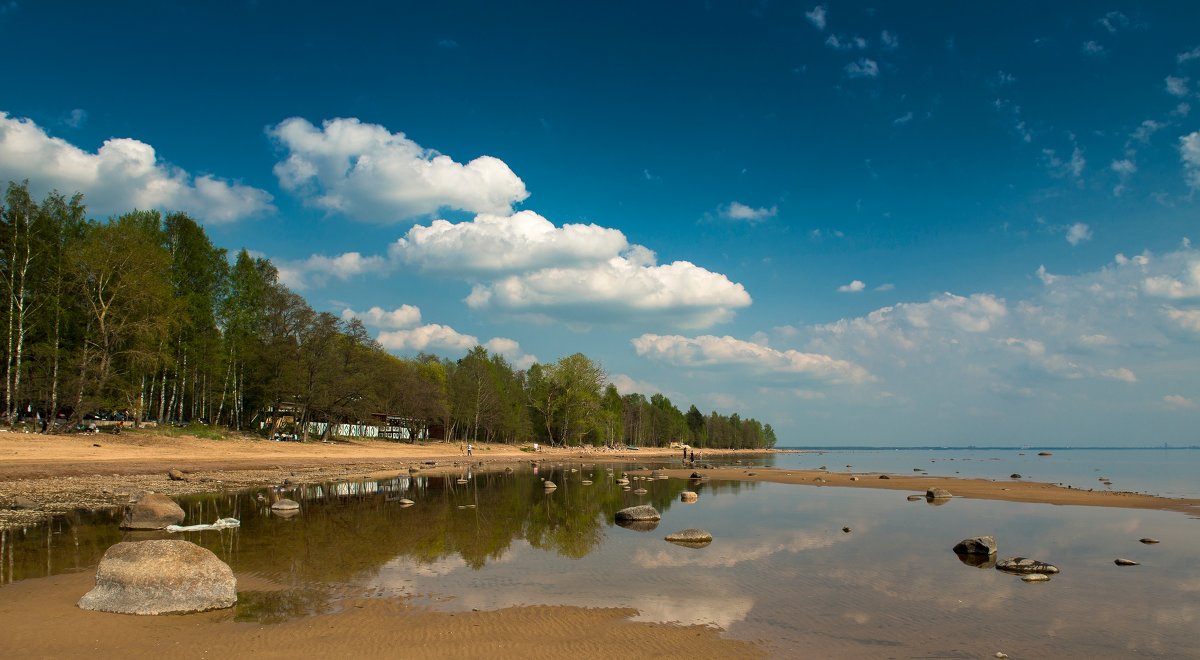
<point>934,223</point>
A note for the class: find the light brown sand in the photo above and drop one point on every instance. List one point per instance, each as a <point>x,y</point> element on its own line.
<point>1007,491</point>
<point>40,620</point>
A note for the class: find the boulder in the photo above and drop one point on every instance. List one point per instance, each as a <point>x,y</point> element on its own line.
<point>1023,565</point>
<point>688,496</point>
<point>938,494</point>
<point>1125,562</point>
<point>642,512</point>
<point>692,538</point>
<point>976,545</point>
<point>152,511</point>
<point>175,475</point>
<point>285,505</point>
<point>160,577</point>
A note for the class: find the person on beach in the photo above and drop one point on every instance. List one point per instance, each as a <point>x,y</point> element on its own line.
<point>469,449</point>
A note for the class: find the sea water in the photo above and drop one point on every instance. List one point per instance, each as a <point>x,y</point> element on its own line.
<point>1169,472</point>
<point>781,569</point>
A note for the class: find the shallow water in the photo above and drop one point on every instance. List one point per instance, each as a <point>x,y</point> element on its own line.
<point>1166,472</point>
<point>780,569</point>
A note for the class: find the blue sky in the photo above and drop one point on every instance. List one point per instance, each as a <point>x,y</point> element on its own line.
<point>933,223</point>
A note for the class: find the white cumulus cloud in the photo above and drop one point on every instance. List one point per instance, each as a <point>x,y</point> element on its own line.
<point>624,286</point>
<point>711,351</point>
<point>739,211</point>
<point>1188,319</point>
<point>863,68</point>
<point>1179,402</point>
<point>492,244</point>
<point>318,269</point>
<point>426,337</point>
<point>1176,86</point>
<point>817,16</point>
<point>853,287</point>
<point>404,316</point>
<point>366,172</point>
<point>1078,233</point>
<point>123,174</point>
<point>1189,153</point>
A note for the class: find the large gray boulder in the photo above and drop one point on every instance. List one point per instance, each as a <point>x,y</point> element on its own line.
<point>976,545</point>
<point>1025,566</point>
<point>152,511</point>
<point>160,577</point>
<point>938,494</point>
<point>642,512</point>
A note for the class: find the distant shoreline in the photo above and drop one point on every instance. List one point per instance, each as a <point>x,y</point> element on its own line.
<point>59,474</point>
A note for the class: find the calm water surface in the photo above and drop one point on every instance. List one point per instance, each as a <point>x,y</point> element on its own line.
<point>1166,472</point>
<point>780,569</point>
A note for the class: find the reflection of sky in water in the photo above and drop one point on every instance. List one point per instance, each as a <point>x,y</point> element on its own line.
<point>1171,473</point>
<point>780,568</point>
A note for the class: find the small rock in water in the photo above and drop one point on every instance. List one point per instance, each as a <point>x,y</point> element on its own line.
<point>549,485</point>
<point>884,476</point>
<point>152,511</point>
<point>915,498</point>
<point>1125,562</point>
<point>1024,565</point>
<point>1001,654</point>
<point>938,494</point>
<point>696,475</point>
<point>690,537</point>
<point>1045,453</point>
<point>461,481</point>
<point>405,502</point>
<point>640,491</point>
<point>586,482</point>
<point>846,530</point>
<point>821,468</point>
<point>1035,577</point>
<point>642,512</point>
<point>976,545</point>
<point>751,474</point>
<point>688,496</point>
<point>853,478</point>
<point>285,505</point>
<point>1014,475</point>
<point>1148,540</point>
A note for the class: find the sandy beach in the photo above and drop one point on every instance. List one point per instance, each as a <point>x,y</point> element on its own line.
<point>64,473</point>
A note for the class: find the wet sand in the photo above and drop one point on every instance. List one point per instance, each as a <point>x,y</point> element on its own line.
<point>42,621</point>
<point>1007,491</point>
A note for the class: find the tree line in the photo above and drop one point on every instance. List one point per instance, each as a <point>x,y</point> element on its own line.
<point>141,316</point>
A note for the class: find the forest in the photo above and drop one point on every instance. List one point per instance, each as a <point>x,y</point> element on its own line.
<point>139,317</point>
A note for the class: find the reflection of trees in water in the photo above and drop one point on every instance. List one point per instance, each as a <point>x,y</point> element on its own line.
<point>348,530</point>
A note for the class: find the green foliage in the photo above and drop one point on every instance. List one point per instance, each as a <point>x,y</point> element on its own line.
<point>141,315</point>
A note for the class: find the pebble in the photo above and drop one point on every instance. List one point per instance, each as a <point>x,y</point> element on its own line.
<point>1035,577</point>
<point>1148,540</point>
<point>1125,562</point>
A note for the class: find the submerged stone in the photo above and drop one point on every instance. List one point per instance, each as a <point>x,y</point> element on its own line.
<point>1024,565</point>
<point>641,512</point>
<point>285,505</point>
<point>692,538</point>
